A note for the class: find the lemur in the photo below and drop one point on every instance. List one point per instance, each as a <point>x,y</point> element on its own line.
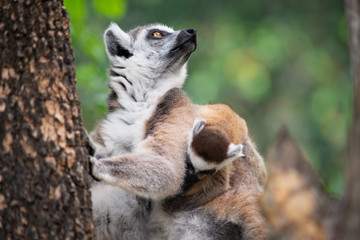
<point>145,63</point>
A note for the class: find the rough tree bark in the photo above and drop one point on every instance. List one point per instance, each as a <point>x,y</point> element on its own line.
<point>347,217</point>
<point>43,162</point>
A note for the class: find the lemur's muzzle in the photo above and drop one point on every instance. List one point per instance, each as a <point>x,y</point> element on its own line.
<point>186,40</point>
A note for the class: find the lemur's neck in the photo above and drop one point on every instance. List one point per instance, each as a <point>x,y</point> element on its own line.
<point>135,91</point>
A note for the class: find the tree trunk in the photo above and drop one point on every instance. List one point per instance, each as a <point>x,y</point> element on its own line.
<point>347,218</point>
<point>44,184</point>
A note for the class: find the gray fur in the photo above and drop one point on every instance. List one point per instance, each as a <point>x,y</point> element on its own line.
<point>189,225</point>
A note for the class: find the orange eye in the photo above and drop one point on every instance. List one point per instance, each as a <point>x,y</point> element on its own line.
<point>157,34</point>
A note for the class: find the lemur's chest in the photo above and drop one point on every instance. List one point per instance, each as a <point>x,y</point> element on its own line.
<point>122,130</point>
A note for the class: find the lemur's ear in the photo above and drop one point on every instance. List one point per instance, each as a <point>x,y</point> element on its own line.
<point>117,42</point>
<point>199,125</point>
<point>235,151</point>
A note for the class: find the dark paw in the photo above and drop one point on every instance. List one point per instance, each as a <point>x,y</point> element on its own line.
<point>89,145</point>
<point>91,167</point>
<point>90,148</point>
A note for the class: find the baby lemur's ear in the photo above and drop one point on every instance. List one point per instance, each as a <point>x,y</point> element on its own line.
<point>235,151</point>
<point>199,125</point>
<point>117,42</point>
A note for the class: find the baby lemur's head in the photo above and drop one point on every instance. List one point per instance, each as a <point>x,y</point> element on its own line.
<point>153,56</point>
<point>210,147</point>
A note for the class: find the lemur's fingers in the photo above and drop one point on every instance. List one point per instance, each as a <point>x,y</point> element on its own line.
<point>199,125</point>
<point>235,151</point>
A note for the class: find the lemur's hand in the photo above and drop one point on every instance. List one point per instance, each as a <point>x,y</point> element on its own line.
<point>92,173</point>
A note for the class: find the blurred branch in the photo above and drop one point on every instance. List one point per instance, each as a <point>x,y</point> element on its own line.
<point>294,201</point>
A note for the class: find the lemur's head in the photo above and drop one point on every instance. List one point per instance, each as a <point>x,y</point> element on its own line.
<point>150,53</point>
<point>210,149</point>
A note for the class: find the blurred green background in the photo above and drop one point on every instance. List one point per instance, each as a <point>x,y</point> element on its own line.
<point>274,62</point>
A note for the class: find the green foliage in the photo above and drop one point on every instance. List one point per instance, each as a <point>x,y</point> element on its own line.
<point>110,8</point>
<point>274,62</point>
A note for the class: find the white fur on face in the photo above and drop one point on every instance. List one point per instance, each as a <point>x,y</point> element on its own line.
<point>148,67</point>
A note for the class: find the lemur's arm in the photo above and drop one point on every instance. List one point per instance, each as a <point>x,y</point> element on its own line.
<point>156,168</point>
<point>144,174</point>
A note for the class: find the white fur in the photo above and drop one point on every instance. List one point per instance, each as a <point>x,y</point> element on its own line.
<point>235,150</point>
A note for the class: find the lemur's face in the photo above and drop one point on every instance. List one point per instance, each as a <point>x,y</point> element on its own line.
<point>156,50</point>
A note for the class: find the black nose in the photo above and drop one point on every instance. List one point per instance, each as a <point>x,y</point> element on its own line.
<point>190,31</point>
<point>185,37</point>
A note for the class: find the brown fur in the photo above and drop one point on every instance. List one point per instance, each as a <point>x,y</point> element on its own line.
<point>211,144</point>
<point>221,116</point>
<point>240,202</point>
<point>223,127</point>
<point>208,188</point>
<point>172,100</point>
<point>232,192</point>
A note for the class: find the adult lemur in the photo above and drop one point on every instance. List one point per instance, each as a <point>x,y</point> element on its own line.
<point>156,132</point>
<point>145,63</point>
